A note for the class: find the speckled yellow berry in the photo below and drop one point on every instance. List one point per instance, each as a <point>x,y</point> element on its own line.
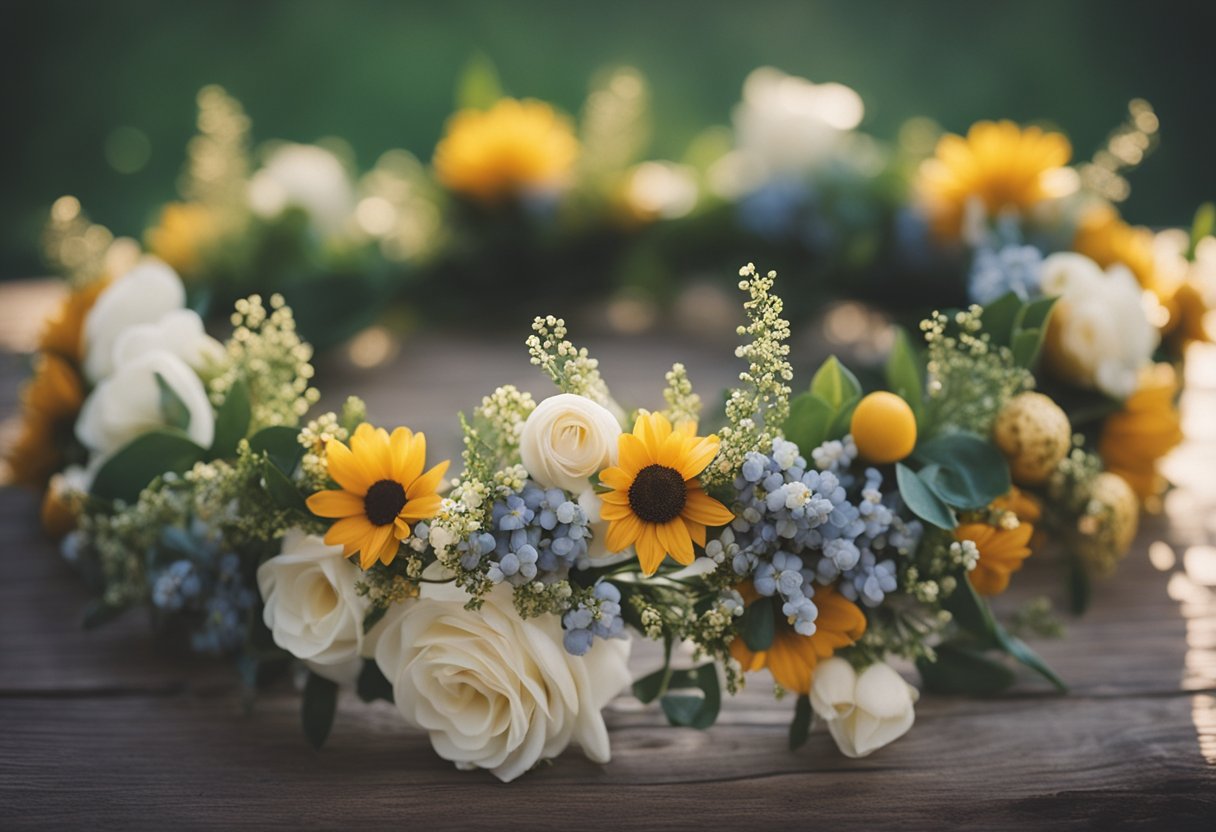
<point>1034,435</point>
<point>1110,523</point>
<point>884,428</point>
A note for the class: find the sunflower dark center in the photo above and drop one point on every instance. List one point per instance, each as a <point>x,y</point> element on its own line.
<point>383,502</point>
<point>658,494</point>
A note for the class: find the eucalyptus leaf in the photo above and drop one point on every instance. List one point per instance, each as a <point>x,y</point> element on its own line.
<point>800,728</point>
<point>142,460</point>
<point>921,499</point>
<point>1017,648</point>
<point>972,613</point>
<point>317,708</point>
<point>834,383</point>
<point>758,624</point>
<point>972,471</point>
<point>698,712</point>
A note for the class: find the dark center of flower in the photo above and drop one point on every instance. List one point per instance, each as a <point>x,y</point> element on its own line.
<point>383,502</point>
<point>658,494</point>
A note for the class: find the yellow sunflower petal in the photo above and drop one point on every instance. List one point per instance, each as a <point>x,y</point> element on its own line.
<point>371,445</point>
<point>400,443</point>
<point>428,483</point>
<point>335,504</point>
<point>348,531</point>
<point>623,533</point>
<point>697,531</point>
<point>698,457</point>
<point>675,539</point>
<point>423,508</point>
<point>409,467</point>
<point>671,451</point>
<point>373,547</point>
<point>615,511</point>
<point>702,508</point>
<point>347,469</point>
<point>633,454</point>
<point>616,478</point>
<point>650,551</point>
<point>401,529</point>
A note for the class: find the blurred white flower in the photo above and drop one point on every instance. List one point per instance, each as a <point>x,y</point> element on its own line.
<point>1100,335</point>
<point>143,295</point>
<point>663,190</point>
<point>308,177</point>
<point>180,332</point>
<point>863,711</point>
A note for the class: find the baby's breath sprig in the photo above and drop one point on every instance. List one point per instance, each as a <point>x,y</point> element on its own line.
<point>570,367</point>
<point>683,405</point>
<point>759,406</point>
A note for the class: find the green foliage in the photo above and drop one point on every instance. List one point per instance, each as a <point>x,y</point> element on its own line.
<point>372,684</point>
<point>970,471</point>
<point>1019,326</point>
<point>142,460</point>
<point>921,497</point>
<point>231,421</point>
<point>1204,225</point>
<point>281,453</point>
<point>172,408</point>
<point>905,373</point>
<point>800,728</point>
<point>962,669</point>
<point>757,626</point>
<point>317,709</point>
<point>824,412</point>
<point>478,87</point>
<point>835,384</point>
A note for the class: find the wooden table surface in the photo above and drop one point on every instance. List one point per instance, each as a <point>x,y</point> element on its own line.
<point>109,729</point>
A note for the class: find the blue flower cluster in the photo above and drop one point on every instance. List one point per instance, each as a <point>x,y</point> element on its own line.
<point>203,581</point>
<point>597,618</point>
<point>538,534</point>
<point>998,271</point>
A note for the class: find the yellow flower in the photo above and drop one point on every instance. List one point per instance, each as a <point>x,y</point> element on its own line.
<point>1188,315</point>
<point>50,402</point>
<point>1147,428</point>
<point>792,657</point>
<point>382,489</point>
<point>182,235</point>
<point>656,503</point>
<point>1024,505</point>
<point>63,332</point>
<point>1107,240</point>
<point>998,163</point>
<point>514,146</point>
<point>1002,552</point>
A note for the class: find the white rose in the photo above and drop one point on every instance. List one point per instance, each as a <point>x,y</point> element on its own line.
<point>307,177</point>
<point>863,711</point>
<point>1100,335</point>
<point>312,609</point>
<point>180,332</point>
<point>128,403</point>
<point>493,690</point>
<point>143,295</point>
<point>568,439</point>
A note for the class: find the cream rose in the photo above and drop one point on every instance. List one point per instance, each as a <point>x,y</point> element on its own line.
<point>566,440</point>
<point>128,403</point>
<point>179,332</point>
<point>1100,335</point>
<point>312,609</point>
<point>493,690</point>
<point>863,711</point>
<point>143,295</point>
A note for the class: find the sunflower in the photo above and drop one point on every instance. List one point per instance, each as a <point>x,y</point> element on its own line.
<point>792,657</point>
<point>656,503</point>
<point>999,164</point>
<point>1144,430</point>
<point>513,147</point>
<point>1002,552</point>
<point>382,489</point>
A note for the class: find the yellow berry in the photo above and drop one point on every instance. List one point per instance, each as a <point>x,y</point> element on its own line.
<point>884,428</point>
<point>1034,435</point>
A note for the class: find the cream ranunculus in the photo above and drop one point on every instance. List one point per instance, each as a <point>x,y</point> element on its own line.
<point>312,608</point>
<point>143,295</point>
<point>496,691</point>
<point>129,403</point>
<point>1099,335</point>
<point>566,440</point>
<point>863,711</point>
<point>179,332</point>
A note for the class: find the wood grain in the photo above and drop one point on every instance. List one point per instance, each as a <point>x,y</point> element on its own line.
<point>112,729</point>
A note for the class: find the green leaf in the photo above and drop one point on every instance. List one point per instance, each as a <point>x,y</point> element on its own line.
<point>1080,589</point>
<point>758,624</point>
<point>961,669</point>
<point>172,408</point>
<point>373,617</point>
<point>1204,225</point>
<point>318,707</point>
<point>800,728</point>
<point>698,712</point>
<point>835,384</point>
<point>142,460</point>
<point>478,87</point>
<point>281,445</point>
<point>372,684</point>
<point>842,424</point>
<point>972,613</point>
<point>1026,346</point>
<point>232,421</point>
<point>972,472</point>
<point>809,421</point>
<point>648,688</point>
<point>1017,648</point>
<point>1034,315</point>
<point>922,500</point>
<point>999,317</point>
<point>281,489</point>
<point>905,374</point>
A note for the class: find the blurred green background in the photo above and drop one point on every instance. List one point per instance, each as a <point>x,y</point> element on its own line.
<point>85,81</point>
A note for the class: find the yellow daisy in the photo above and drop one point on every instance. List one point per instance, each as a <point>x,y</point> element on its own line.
<point>1002,552</point>
<point>1000,164</point>
<point>501,152</point>
<point>1147,428</point>
<point>382,489</point>
<point>656,503</point>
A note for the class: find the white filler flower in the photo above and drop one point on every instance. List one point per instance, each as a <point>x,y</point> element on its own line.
<point>863,711</point>
<point>493,690</point>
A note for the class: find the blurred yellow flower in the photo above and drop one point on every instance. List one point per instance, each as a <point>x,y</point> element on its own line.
<point>793,657</point>
<point>182,235</point>
<point>1002,552</point>
<point>513,147</point>
<point>1147,428</point>
<point>1107,240</point>
<point>998,164</point>
<point>49,404</point>
<point>63,332</point>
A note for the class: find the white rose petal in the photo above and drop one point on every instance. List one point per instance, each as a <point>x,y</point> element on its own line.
<point>179,332</point>
<point>568,439</point>
<point>312,609</point>
<point>143,295</point>
<point>865,711</point>
<point>128,403</point>
<point>495,691</point>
